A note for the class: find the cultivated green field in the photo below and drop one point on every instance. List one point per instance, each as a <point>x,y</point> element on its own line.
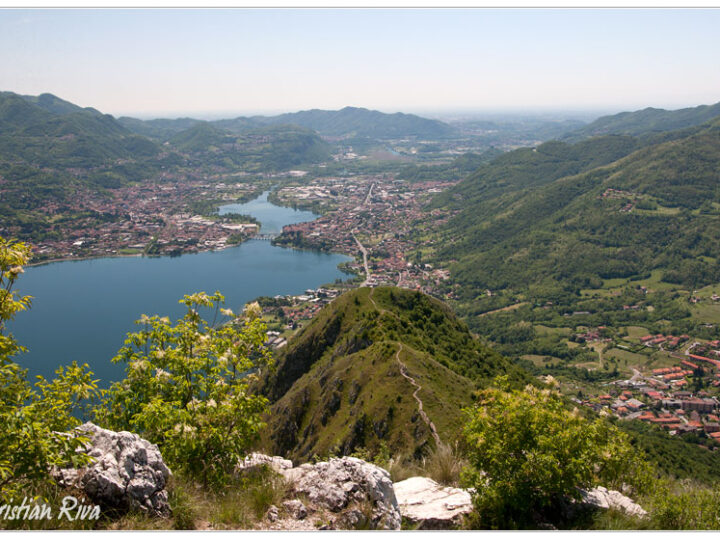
<point>708,313</point>
<point>636,332</point>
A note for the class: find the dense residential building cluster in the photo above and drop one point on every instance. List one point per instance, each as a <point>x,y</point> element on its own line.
<point>674,398</point>
<point>372,213</point>
<point>149,218</point>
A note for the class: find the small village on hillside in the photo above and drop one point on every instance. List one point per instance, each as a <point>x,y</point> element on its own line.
<point>680,398</point>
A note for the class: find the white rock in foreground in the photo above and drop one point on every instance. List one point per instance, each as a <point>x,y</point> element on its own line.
<point>126,472</point>
<point>601,497</point>
<point>255,460</point>
<point>348,486</point>
<point>432,506</point>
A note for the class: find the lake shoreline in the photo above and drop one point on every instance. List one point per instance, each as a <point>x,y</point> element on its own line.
<point>144,256</point>
<point>72,259</point>
<point>258,197</point>
<point>83,311</point>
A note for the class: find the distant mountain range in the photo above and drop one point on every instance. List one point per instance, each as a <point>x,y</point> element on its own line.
<point>345,123</point>
<point>359,122</point>
<point>160,129</point>
<point>50,132</point>
<point>50,149</point>
<point>55,105</point>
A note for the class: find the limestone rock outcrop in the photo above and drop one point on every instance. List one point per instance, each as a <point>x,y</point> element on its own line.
<point>126,472</point>
<point>295,508</point>
<point>255,461</point>
<point>424,502</point>
<point>601,497</point>
<point>360,493</point>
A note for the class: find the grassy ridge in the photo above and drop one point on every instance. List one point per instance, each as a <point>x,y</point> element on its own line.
<point>339,384</point>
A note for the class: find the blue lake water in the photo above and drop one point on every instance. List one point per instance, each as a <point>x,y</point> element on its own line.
<point>271,217</point>
<point>83,309</point>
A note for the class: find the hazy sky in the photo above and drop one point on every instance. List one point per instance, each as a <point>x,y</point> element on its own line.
<point>167,62</point>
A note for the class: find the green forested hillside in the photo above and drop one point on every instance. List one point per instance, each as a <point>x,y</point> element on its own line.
<point>528,222</point>
<point>241,124</point>
<point>647,121</point>
<point>200,137</point>
<point>31,133</point>
<point>51,150</point>
<point>55,105</point>
<point>269,148</point>
<point>159,129</point>
<point>338,385</point>
<point>531,167</point>
<point>283,146</point>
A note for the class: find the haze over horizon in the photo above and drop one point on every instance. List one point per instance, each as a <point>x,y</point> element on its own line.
<point>224,62</point>
<point>448,114</point>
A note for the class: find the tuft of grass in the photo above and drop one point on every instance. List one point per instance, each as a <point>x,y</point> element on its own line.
<point>401,467</point>
<point>137,520</point>
<point>231,512</point>
<point>444,465</point>
<point>184,513</point>
<point>407,525</point>
<point>616,520</point>
<point>244,503</point>
<point>366,508</point>
<point>265,494</point>
<point>239,505</point>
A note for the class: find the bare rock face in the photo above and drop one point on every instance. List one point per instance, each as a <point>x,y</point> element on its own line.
<point>272,513</point>
<point>601,497</point>
<point>295,508</point>
<point>359,492</point>
<point>425,502</point>
<point>126,472</point>
<point>255,461</point>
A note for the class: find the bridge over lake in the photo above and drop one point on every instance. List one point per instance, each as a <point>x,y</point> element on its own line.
<point>266,236</point>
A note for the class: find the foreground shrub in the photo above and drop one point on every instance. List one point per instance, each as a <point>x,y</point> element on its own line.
<point>529,453</point>
<point>32,419</point>
<point>685,505</point>
<point>186,387</point>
